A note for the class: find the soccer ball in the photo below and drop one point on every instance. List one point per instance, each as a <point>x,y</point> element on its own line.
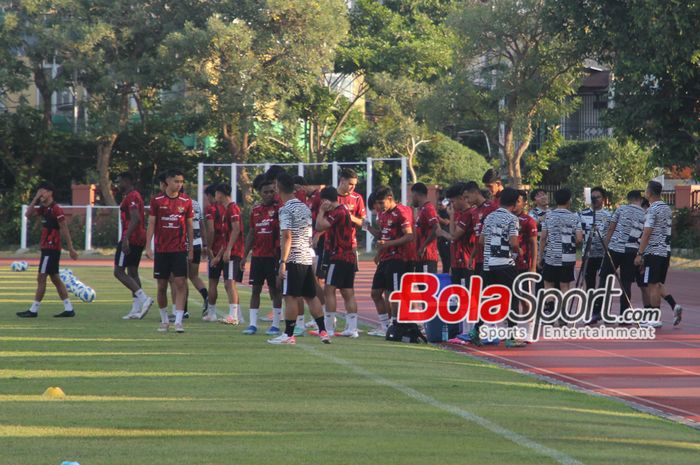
<point>24,265</point>
<point>77,287</point>
<point>87,294</point>
<point>65,272</point>
<point>16,266</point>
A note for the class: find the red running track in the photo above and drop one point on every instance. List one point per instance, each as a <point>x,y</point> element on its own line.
<point>661,375</point>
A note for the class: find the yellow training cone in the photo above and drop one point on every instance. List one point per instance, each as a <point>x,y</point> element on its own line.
<point>54,393</point>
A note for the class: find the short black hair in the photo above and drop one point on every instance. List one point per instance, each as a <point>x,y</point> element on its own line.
<point>472,186</point>
<point>455,190</point>
<point>46,185</point>
<point>274,171</point>
<point>634,196</point>
<point>172,172</point>
<point>210,190</point>
<point>491,175</point>
<point>655,187</point>
<point>521,193</point>
<point>645,202</point>
<point>509,197</point>
<point>264,182</point>
<point>486,194</point>
<point>420,188</point>
<point>329,193</point>
<point>382,193</point>
<point>602,191</point>
<point>535,192</point>
<point>348,173</point>
<point>126,175</point>
<point>371,200</point>
<point>257,180</point>
<point>223,188</point>
<point>161,177</point>
<point>285,183</point>
<point>562,196</point>
<point>299,180</point>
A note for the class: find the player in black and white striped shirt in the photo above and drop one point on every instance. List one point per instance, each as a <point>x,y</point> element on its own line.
<point>499,239</point>
<point>655,249</point>
<point>593,218</point>
<point>622,239</point>
<point>561,233</point>
<point>296,259</point>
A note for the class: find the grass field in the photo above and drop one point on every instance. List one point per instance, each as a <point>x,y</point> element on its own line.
<point>214,396</point>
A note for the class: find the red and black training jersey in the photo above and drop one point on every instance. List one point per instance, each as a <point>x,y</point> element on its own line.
<point>231,217</point>
<point>528,230</point>
<point>356,206</point>
<point>425,222</point>
<point>461,249</point>
<point>339,238</point>
<point>133,201</point>
<point>51,216</point>
<point>392,223</point>
<point>215,213</point>
<point>473,224</point>
<point>265,225</point>
<point>170,215</point>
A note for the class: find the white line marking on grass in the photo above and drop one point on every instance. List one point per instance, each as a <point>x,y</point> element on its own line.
<point>512,436</point>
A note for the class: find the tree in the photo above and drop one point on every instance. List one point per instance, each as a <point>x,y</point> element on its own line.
<point>508,69</point>
<point>654,51</point>
<point>250,58</point>
<point>444,161</point>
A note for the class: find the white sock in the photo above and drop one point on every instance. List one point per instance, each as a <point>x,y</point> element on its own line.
<point>276,317</point>
<point>140,295</point>
<point>239,314</point>
<point>135,306</point>
<point>35,307</point>
<point>232,311</point>
<point>164,315</point>
<point>253,312</point>
<point>178,316</point>
<point>174,310</point>
<point>211,310</point>
<point>384,320</point>
<point>300,321</point>
<point>329,320</point>
<point>67,306</point>
<point>351,321</point>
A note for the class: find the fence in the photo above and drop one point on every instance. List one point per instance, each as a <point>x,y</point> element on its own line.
<point>669,197</point>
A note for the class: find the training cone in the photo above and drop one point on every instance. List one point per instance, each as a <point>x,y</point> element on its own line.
<point>54,393</point>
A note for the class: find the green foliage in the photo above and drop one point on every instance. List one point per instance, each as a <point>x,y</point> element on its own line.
<point>538,162</point>
<point>617,166</point>
<point>444,161</point>
<point>686,229</point>
<point>653,49</point>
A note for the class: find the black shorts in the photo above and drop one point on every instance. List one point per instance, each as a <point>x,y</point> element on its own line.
<point>49,261</point>
<point>425,267</point>
<point>505,276</point>
<point>478,269</point>
<point>322,262</point>
<point>558,274</point>
<point>341,275</point>
<point>197,254</point>
<point>231,270</point>
<point>131,259</point>
<point>624,262</point>
<point>263,269</point>
<point>388,275</point>
<point>166,264</point>
<point>655,269</point>
<point>460,276</point>
<point>299,281</point>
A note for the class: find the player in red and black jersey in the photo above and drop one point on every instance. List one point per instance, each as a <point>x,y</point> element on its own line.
<point>527,237</point>
<point>216,241</point>
<point>461,244</point>
<point>396,245</point>
<point>336,220</point>
<point>130,247</point>
<point>263,240</point>
<point>170,222</point>
<point>426,227</point>
<point>474,221</point>
<point>492,182</point>
<point>52,229</point>
<point>227,261</point>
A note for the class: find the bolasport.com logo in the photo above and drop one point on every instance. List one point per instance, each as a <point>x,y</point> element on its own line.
<point>546,313</point>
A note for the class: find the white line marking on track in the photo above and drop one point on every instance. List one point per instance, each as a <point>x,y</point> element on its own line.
<point>512,436</point>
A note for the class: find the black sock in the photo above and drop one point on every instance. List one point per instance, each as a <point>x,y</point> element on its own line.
<point>321,323</point>
<point>671,301</point>
<point>205,294</point>
<point>289,327</point>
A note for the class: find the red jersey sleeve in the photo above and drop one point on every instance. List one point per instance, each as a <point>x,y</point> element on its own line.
<point>361,211</point>
<point>58,213</point>
<point>406,217</point>
<point>189,211</point>
<point>154,207</point>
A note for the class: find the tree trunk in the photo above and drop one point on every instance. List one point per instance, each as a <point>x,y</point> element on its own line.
<point>239,146</point>
<point>104,153</point>
<point>42,86</point>
<point>508,151</point>
<point>517,179</point>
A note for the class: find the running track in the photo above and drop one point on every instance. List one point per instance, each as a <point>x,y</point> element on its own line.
<point>662,375</point>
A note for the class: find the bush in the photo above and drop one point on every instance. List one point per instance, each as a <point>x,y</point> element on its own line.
<point>686,229</point>
<point>444,161</point>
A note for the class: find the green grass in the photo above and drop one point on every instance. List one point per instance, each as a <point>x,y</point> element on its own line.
<point>214,396</point>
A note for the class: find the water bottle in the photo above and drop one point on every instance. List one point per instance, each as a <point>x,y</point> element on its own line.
<point>445,335</point>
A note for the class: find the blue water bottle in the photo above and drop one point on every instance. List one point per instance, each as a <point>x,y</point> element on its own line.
<point>445,335</point>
